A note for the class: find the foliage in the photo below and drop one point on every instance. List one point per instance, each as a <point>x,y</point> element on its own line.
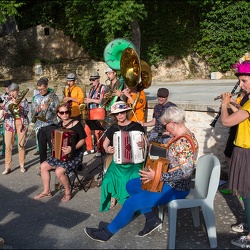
<point>8,8</point>
<point>224,36</point>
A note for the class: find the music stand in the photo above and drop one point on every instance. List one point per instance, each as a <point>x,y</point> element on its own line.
<point>96,125</point>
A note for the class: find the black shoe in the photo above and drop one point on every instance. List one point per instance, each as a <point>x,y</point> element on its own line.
<point>101,235</point>
<point>36,153</point>
<point>150,226</point>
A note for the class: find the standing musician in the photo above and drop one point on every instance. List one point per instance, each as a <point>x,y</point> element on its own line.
<point>136,98</point>
<point>43,108</point>
<point>181,156</point>
<point>239,173</point>
<point>95,112</point>
<point>61,167</point>
<point>74,96</point>
<point>114,90</point>
<point>16,121</point>
<point>158,134</point>
<point>113,188</point>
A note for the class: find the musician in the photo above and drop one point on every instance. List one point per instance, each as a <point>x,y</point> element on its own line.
<point>239,173</point>
<point>182,157</point>
<point>44,105</point>
<point>16,121</point>
<point>114,89</point>
<point>95,112</point>
<point>61,167</point>
<point>136,98</point>
<point>113,185</point>
<point>159,134</point>
<point>74,96</point>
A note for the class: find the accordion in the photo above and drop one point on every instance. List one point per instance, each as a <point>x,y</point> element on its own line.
<point>62,138</point>
<point>126,148</point>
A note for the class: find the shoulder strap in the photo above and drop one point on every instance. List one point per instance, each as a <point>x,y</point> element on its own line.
<point>187,136</point>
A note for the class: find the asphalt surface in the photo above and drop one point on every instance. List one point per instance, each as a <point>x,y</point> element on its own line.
<point>50,224</point>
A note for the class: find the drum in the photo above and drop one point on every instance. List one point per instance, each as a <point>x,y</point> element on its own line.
<point>107,162</point>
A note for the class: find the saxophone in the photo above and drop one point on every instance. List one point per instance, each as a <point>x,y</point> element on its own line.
<point>83,107</point>
<point>109,95</point>
<point>13,107</point>
<point>42,114</point>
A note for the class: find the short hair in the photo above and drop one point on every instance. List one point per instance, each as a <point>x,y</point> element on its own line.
<point>13,87</point>
<point>43,81</point>
<point>63,104</point>
<point>174,114</point>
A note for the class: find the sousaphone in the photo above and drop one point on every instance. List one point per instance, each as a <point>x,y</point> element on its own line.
<point>113,52</point>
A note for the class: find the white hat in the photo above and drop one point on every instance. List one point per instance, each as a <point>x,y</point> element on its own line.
<point>108,70</point>
<point>71,77</point>
<point>118,107</point>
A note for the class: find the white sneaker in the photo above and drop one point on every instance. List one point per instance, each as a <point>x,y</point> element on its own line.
<point>87,152</point>
<point>6,171</point>
<point>240,228</point>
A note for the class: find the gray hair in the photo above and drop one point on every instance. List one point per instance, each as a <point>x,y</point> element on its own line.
<point>173,114</point>
<point>13,86</point>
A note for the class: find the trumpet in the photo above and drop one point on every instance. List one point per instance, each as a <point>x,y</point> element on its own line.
<point>237,93</point>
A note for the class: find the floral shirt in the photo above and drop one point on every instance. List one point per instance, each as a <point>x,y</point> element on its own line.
<point>51,112</point>
<point>180,154</point>
<point>9,118</point>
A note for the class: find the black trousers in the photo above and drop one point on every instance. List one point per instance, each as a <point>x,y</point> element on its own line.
<point>44,139</point>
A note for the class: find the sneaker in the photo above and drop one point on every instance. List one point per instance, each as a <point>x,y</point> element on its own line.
<point>6,171</point>
<point>87,152</point>
<point>242,242</point>
<point>98,154</point>
<point>101,235</point>
<point>240,228</point>
<point>150,226</point>
<point>22,169</point>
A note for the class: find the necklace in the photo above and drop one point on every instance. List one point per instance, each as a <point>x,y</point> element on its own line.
<point>123,127</point>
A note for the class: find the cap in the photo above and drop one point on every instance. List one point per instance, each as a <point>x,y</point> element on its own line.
<point>94,75</point>
<point>108,70</point>
<point>7,83</point>
<point>13,87</point>
<point>71,77</point>
<point>119,107</point>
<point>162,92</point>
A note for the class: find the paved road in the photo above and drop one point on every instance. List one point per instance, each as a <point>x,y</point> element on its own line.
<point>50,224</point>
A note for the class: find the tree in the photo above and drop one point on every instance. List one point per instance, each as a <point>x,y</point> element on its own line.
<point>8,9</point>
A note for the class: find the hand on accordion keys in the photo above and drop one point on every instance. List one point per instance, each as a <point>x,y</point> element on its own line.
<point>147,176</point>
<point>66,150</point>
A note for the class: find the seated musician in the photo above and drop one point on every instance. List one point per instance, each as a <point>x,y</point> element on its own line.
<point>182,154</point>
<point>113,187</point>
<point>159,134</point>
<point>61,167</point>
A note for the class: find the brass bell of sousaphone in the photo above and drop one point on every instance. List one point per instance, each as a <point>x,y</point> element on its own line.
<point>113,52</point>
<point>130,67</point>
<point>146,76</point>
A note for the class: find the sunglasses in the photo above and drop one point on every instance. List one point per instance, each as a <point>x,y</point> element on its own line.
<point>123,112</point>
<point>63,112</point>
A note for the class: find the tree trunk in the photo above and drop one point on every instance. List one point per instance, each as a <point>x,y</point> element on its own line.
<point>136,36</point>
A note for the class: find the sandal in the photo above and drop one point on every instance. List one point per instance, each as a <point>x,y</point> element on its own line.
<point>42,196</point>
<point>66,198</point>
<point>113,202</point>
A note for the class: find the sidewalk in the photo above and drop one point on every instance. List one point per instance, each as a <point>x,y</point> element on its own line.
<point>50,224</point>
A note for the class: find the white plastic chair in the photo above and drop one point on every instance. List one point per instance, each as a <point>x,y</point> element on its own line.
<point>207,179</point>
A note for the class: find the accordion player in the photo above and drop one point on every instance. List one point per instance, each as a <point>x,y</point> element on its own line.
<point>62,138</point>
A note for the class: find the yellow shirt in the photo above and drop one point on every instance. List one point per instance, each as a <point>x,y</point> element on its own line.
<point>77,93</point>
<point>242,138</point>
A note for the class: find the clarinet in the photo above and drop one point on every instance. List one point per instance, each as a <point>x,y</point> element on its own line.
<point>212,124</point>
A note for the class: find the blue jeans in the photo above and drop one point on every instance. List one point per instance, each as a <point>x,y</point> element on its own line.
<point>143,201</point>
